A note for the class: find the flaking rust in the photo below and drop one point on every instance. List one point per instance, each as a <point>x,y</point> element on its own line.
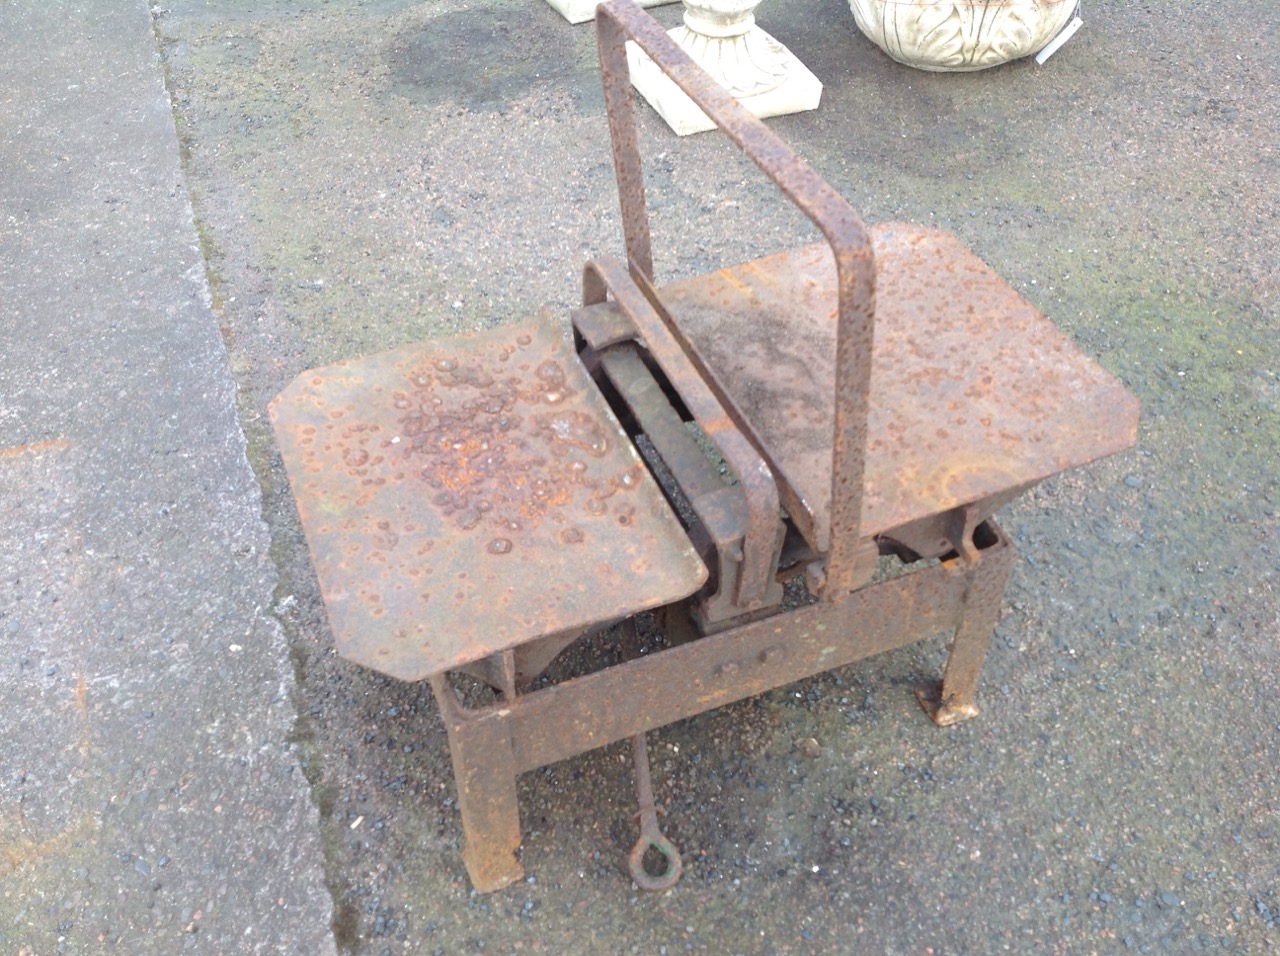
<point>449,489</point>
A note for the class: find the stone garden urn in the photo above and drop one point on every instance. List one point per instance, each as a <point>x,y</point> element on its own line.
<point>961,35</point>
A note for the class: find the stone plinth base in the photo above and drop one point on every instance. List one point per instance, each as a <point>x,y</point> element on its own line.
<point>580,11</point>
<point>762,73</point>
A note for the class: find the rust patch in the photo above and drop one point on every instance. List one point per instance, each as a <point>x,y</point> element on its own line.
<point>35,447</point>
<point>472,468</point>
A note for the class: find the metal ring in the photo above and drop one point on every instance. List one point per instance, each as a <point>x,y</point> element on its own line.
<point>643,879</point>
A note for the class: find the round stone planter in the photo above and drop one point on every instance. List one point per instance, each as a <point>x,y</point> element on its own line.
<point>960,35</point>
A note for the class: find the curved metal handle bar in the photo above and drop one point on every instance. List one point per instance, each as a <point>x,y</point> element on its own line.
<point>618,20</point>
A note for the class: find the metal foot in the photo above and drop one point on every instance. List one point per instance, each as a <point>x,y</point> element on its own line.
<point>943,712</point>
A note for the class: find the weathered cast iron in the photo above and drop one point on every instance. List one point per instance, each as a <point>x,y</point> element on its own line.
<point>477,504</point>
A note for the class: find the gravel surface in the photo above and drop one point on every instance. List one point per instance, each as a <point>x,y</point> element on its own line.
<point>371,173</point>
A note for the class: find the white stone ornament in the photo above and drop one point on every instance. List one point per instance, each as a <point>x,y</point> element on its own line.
<point>961,35</point>
<point>580,11</point>
<point>722,37</point>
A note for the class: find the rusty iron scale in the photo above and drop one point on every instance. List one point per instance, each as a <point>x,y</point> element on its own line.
<point>477,504</point>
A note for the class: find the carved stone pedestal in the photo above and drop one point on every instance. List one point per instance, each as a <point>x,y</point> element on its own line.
<point>722,37</point>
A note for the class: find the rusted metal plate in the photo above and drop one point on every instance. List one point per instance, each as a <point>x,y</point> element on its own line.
<point>973,392</point>
<point>464,496</point>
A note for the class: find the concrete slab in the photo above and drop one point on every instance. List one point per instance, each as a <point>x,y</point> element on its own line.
<point>151,798</point>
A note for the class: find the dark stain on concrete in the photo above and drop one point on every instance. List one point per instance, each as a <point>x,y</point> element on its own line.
<point>488,58</point>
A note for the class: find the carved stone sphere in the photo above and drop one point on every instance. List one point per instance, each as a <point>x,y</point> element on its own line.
<point>960,35</point>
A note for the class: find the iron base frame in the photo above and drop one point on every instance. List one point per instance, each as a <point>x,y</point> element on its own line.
<point>491,745</point>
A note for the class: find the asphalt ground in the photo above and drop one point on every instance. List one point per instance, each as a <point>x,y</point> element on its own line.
<point>151,799</point>
<point>368,174</point>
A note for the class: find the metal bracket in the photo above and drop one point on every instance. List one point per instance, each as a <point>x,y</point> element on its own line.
<point>754,587</point>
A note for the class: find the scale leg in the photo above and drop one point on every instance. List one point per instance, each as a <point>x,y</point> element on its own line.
<point>952,700</point>
<point>484,775</point>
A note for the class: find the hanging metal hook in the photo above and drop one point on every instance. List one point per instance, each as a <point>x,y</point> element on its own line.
<point>651,835</point>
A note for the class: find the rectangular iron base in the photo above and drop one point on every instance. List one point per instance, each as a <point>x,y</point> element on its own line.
<point>490,745</point>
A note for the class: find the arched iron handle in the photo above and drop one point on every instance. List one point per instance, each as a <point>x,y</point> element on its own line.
<point>618,20</point>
